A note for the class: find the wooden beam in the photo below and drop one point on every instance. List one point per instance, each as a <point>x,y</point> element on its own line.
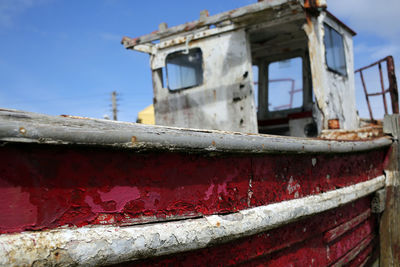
<point>233,15</point>
<point>104,245</point>
<point>389,229</point>
<point>27,127</point>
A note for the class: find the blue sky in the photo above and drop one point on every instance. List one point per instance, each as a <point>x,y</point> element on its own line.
<point>64,57</point>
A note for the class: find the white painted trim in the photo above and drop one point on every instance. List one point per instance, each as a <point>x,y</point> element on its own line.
<point>101,245</point>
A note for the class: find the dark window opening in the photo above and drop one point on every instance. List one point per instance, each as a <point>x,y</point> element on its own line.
<point>184,70</point>
<point>334,51</point>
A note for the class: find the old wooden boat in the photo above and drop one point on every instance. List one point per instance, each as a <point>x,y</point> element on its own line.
<point>227,180</point>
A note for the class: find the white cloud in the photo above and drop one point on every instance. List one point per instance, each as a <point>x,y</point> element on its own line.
<point>379,21</point>
<point>375,52</point>
<point>370,16</point>
<point>110,36</point>
<point>378,26</point>
<point>9,9</point>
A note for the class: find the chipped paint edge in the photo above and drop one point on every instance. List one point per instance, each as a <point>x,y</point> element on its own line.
<point>101,245</point>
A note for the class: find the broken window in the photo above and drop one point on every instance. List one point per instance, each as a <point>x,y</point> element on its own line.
<point>184,70</point>
<point>334,51</point>
<point>285,84</point>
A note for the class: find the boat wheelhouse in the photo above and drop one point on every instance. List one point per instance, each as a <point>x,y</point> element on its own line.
<point>238,170</point>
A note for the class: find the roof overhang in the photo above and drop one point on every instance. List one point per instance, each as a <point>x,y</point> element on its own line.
<point>230,20</point>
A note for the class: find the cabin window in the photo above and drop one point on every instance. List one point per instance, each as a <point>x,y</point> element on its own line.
<point>334,51</point>
<point>255,81</point>
<point>285,84</point>
<point>184,69</point>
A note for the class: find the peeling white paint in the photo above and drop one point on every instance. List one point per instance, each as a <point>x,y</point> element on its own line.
<point>293,187</point>
<point>334,94</point>
<point>224,100</point>
<point>101,245</point>
<point>314,162</point>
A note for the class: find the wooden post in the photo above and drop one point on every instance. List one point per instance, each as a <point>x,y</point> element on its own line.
<point>389,228</point>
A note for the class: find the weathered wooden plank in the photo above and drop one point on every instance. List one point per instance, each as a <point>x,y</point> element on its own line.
<point>378,201</point>
<point>314,252</point>
<point>104,245</point>
<point>19,126</point>
<point>364,256</point>
<point>389,225</point>
<point>352,254</point>
<point>261,249</point>
<point>233,15</point>
<point>343,228</point>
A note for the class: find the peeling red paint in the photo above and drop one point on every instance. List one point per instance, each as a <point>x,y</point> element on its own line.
<point>363,256</point>
<point>296,244</point>
<point>59,185</point>
<point>343,228</point>
<point>16,209</point>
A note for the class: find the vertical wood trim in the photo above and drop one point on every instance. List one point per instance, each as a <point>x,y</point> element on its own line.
<point>389,228</point>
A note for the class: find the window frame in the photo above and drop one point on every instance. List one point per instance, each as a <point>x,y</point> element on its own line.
<point>330,68</point>
<point>182,52</point>
<point>287,110</point>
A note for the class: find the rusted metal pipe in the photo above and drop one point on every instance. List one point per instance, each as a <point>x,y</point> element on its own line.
<point>366,95</point>
<point>392,90</point>
<point>382,88</point>
<point>394,93</point>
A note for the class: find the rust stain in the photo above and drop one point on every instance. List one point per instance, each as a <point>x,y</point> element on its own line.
<point>22,130</point>
<point>133,139</point>
<point>333,124</point>
<point>130,41</point>
<point>218,224</point>
<point>74,117</point>
<point>314,4</point>
<point>365,133</point>
<point>213,143</point>
<point>191,26</point>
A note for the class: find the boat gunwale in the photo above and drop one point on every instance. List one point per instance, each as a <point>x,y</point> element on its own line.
<point>27,127</point>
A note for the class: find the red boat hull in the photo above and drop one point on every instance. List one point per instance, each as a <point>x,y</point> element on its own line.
<point>43,187</point>
<point>342,236</point>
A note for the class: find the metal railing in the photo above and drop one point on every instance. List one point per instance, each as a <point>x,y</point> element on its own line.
<point>392,90</point>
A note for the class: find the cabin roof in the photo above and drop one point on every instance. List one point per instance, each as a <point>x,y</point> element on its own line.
<point>239,15</point>
<point>341,23</point>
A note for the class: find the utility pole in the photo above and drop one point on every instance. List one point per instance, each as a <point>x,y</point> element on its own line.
<point>114,104</point>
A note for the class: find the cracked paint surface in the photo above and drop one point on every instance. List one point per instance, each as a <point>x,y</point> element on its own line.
<point>44,187</point>
<point>102,245</point>
<point>296,244</point>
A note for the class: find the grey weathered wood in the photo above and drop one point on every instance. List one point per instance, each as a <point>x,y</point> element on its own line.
<point>378,201</point>
<point>233,15</point>
<point>390,221</point>
<point>19,126</point>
